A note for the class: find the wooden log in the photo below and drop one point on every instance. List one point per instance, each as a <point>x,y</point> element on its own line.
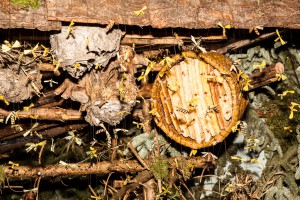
<point>266,75</point>
<point>99,168</point>
<point>159,14</point>
<point>186,14</point>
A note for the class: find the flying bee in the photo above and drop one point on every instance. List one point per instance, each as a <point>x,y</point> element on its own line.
<point>17,127</point>
<point>213,108</point>
<point>109,26</point>
<point>183,110</point>
<point>178,40</point>
<point>255,29</point>
<point>193,102</point>
<point>12,117</point>
<point>198,44</point>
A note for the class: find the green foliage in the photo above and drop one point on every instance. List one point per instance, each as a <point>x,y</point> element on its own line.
<point>2,176</point>
<point>160,167</point>
<point>26,3</point>
<point>278,118</point>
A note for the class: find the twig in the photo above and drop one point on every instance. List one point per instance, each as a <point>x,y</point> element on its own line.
<point>106,183</point>
<point>10,187</point>
<point>159,185</point>
<point>141,178</point>
<point>137,155</point>
<point>180,192</point>
<point>243,43</point>
<point>40,154</point>
<point>92,190</point>
<point>15,143</point>
<point>36,185</point>
<point>187,189</point>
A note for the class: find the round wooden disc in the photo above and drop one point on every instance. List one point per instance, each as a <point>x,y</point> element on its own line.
<point>198,101</point>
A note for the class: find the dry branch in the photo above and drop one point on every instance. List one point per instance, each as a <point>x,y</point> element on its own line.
<point>9,132</point>
<point>141,178</point>
<point>98,168</point>
<point>59,114</point>
<point>237,45</point>
<point>138,156</point>
<point>16,143</point>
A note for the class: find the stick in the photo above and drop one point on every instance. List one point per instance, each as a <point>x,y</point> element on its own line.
<point>237,45</point>
<point>138,156</point>
<point>26,127</point>
<point>58,114</point>
<point>9,145</point>
<point>141,178</point>
<point>97,168</point>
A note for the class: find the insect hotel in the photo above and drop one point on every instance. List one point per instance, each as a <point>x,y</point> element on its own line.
<point>199,100</point>
<point>149,99</point>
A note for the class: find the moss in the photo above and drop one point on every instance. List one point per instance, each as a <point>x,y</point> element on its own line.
<point>26,3</point>
<point>160,168</point>
<point>279,118</point>
<point>2,176</point>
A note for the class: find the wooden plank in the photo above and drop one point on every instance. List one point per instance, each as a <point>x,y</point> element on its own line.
<point>152,40</point>
<point>12,16</point>
<point>181,13</point>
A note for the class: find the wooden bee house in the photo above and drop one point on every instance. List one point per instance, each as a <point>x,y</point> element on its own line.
<point>198,101</point>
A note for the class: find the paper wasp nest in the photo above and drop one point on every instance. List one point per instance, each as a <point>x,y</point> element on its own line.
<point>198,101</point>
<point>85,48</point>
<point>16,87</point>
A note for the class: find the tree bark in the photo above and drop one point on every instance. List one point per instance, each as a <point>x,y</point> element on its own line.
<point>158,14</point>
<point>182,13</point>
<point>59,114</point>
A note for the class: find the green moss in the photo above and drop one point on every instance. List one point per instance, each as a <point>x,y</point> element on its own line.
<point>26,3</point>
<point>2,176</point>
<point>160,168</point>
<point>280,118</point>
